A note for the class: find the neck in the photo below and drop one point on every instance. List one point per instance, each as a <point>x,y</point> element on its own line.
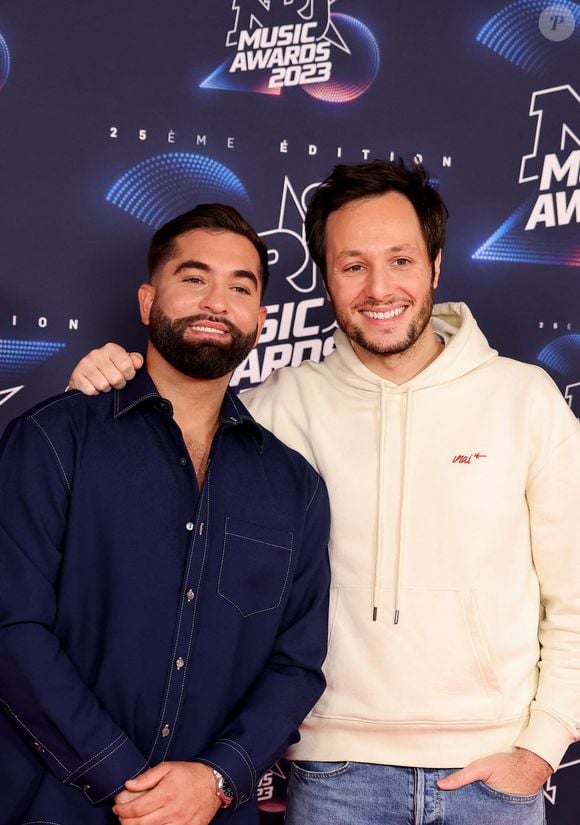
<point>196,402</point>
<point>399,367</point>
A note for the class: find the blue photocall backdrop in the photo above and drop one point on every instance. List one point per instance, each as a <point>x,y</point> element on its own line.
<point>115,117</point>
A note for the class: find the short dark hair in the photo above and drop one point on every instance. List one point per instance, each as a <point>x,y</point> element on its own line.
<point>352,182</point>
<point>215,217</point>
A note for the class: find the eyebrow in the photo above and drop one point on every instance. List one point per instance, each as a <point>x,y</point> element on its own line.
<point>353,253</point>
<point>201,265</point>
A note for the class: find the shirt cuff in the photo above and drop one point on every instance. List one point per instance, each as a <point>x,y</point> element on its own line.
<point>105,774</point>
<point>546,736</point>
<point>234,764</point>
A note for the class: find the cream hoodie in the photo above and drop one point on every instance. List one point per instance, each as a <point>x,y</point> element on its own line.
<point>455,552</point>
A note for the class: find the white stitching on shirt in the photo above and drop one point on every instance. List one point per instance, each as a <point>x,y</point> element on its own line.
<point>73,774</point>
<point>99,762</point>
<point>119,788</point>
<point>36,739</point>
<point>193,623</point>
<point>47,437</point>
<point>40,822</point>
<point>171,670</point>
<point>241,752</point>
<point>314,493</point>
<point>267,544</point>
<point>260,541</point>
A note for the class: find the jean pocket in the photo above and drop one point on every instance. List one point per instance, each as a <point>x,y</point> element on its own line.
<point>255,566</point>
<point>319,770</point>
<point>517,799</point>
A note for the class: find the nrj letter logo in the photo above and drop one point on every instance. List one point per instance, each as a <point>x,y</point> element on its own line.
<point>555,159</point>
<point>544,228</point>
<point>276,44</point>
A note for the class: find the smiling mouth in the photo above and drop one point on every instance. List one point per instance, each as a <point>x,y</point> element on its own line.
<point>383,316</point>
<point>211,330</point>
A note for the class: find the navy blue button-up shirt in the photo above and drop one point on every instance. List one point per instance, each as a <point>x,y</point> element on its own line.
<point>143,619</point>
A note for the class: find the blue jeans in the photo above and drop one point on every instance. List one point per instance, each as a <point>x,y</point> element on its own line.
<point>355,793</point>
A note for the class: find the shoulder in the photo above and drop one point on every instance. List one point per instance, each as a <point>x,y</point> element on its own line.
<point>533,396</point>
<point>285,382</point>
<point>520,377</point>
<point>54,428</point>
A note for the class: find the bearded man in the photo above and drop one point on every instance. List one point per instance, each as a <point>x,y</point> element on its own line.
<point>163,598</point>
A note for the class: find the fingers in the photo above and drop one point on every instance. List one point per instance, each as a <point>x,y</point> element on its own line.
<point>465,776</point>
<point>153,815</point>
<point>104,369</point>
<point>149,778</point>
<point>127,796</point>
<point>139,808</point>
<point>137,359</point>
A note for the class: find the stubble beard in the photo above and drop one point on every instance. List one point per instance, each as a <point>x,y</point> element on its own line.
<point>414,332</point>
<point>205,360</point>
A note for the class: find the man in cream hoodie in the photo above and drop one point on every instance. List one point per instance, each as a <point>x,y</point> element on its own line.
<point>453,670</point>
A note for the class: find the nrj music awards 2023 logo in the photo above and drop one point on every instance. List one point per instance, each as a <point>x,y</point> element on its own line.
<point>273,45</point>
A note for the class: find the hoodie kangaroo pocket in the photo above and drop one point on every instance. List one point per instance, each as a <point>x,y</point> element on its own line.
<point>433,666</point>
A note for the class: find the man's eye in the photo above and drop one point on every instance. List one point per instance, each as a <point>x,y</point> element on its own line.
<point>402,261</point>
<point>354,268</point>
<point>242,290</point>
<point>193,279</point>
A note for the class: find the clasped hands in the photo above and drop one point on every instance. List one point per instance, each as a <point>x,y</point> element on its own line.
<point>180,793</point>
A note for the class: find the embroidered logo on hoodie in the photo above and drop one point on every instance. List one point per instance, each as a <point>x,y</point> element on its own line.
<point>466,459</point>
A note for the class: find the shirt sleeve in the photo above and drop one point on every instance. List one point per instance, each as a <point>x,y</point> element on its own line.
<point>293,680</point>
<point>40,688</point>
<point>553,497</point>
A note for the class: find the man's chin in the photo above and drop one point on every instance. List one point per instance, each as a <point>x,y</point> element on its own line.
<point>388,343</point>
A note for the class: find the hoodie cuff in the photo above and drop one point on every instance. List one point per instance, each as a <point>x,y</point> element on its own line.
<point>105,774</point>
<point>234,764</point>
<point>547,737</point>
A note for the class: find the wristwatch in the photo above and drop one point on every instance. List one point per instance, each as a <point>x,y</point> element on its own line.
<point>223,791</point>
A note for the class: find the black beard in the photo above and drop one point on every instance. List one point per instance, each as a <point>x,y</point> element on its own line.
<point>198,359</point>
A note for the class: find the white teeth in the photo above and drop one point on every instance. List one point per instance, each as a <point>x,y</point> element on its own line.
<point>383,316</point>
<point>209,329</point>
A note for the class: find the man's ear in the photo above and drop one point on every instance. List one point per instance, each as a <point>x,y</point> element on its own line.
<point>262,312</point>
<point>145,296</point>
<point>436,269</point>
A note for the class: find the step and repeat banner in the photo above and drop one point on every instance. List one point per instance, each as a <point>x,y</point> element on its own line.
<point>117,116</point>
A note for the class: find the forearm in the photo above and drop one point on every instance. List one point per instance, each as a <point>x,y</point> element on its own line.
<point>60,718</point>
<point>50,703</point>
<point>553,497</point>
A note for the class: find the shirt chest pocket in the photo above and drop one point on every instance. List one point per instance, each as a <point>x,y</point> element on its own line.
<point>255,566</point>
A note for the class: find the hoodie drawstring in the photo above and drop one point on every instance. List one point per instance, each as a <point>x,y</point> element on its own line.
<point>400,543</point>
<point>379,544</point>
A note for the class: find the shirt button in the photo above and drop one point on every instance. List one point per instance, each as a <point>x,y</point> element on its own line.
<point>179,663</point>
<point>183,461</point>
<point>38,747</point>
<point>189,526</point>
<point>166,730</point>
<point>190,595</point>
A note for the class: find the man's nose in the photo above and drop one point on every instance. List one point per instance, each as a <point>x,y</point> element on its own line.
<point>214,298</point>
<point>379,283</point>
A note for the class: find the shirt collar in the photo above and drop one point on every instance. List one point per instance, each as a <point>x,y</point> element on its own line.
<point>142,390</point>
